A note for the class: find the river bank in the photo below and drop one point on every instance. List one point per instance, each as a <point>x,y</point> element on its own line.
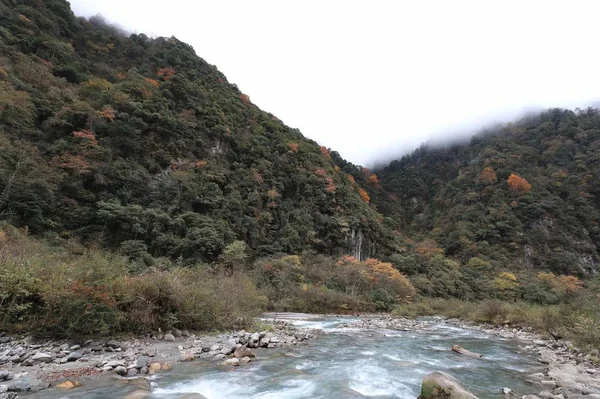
<point>29,365</point>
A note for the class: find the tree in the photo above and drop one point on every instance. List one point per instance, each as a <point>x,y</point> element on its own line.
<point>518,185</point>
<point>488,176</point>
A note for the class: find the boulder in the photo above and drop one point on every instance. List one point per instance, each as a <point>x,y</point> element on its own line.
<point>121,370</point>
<point>245,360</point>
<point>73,356</point>
<point>243,352</point>
<point>113,344</point>
<point>139,394</point>
<point>177,333</point>
<point>462,351</point>
<point>42,357</point>
<point>68,384</point>
<point>440,385</point>
<point>231,362</point>
<point>169,337</point>
<point>141,362</point>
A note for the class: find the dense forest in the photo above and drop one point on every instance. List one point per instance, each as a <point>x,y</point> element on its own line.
<point>138,184</point>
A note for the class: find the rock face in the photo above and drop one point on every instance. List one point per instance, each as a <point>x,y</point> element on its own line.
<point>440,385</point>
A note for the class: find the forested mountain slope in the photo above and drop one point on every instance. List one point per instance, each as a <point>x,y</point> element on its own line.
<point>137,144</point>
<point>523,196</point>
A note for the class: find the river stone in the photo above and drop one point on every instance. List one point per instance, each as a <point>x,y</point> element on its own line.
<point>191,396</point>
<point>440,385</point>
<point>132,372</point>
<point>231,362</point>
<point>121,370</point>
<point>6,375</point>
<point>139,394</point>
<point>115,363</point>
<point>71,357</point>
<point>243,352</point>
<point>8,395</point>
<point>177,333</point>
<point>113,344</point>
<point>141,362</point>
<point>42,357</point>
<point>245,360</point>
<point>169,337</point>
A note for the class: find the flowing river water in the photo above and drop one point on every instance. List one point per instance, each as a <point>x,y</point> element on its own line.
<point>345,363</point>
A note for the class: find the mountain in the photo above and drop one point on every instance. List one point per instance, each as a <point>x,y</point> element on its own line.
<point>136,144</point>
<point>524,196</point>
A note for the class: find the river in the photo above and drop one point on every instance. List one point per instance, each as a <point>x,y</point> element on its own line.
<point>344,363</point>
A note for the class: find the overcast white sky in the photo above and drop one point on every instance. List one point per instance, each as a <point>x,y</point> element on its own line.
<point>372,79</point>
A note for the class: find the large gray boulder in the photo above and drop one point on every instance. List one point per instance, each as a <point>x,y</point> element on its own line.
<point>440,385</point>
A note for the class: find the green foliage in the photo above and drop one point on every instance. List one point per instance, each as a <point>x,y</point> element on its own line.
<point>474,201</point>
<point>148,146</point>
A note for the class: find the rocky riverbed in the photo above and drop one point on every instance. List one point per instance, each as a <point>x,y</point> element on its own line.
<point>568,373</point>
<point>29,364</point>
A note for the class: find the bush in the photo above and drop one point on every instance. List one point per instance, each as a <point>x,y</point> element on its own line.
<point>50,290</point>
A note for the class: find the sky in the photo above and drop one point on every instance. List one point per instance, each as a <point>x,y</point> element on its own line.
<point>375,79</point>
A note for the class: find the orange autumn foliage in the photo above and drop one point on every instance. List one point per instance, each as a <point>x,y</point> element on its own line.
<point>324,151</point>
<point>518,185</point>
<point>364,195</point>
<point>373,179</point>
<point>488,176</point>
<point>293,146</point>
<point>86,135</point>
<point>320,172</point>
<point>151,82</point>
<point>199,164</point>
<point>245,99</point>
<point>165,73</point>
<point>107,113</point>
<point>330,188</point>
<point>351,179</point>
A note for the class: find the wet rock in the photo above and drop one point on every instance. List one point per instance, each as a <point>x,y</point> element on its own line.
<point>121,370</point>
<point>68,384</point>
<point>245,360</point>
<point>132,372</point>
<point>154,366</point>
<point>440,385</point>
<point>6,375</point>
<point>243,352</point>
<point>231,362</point>
<point>139,394</point>
<point>177,333</point>
<point>462,351</point>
